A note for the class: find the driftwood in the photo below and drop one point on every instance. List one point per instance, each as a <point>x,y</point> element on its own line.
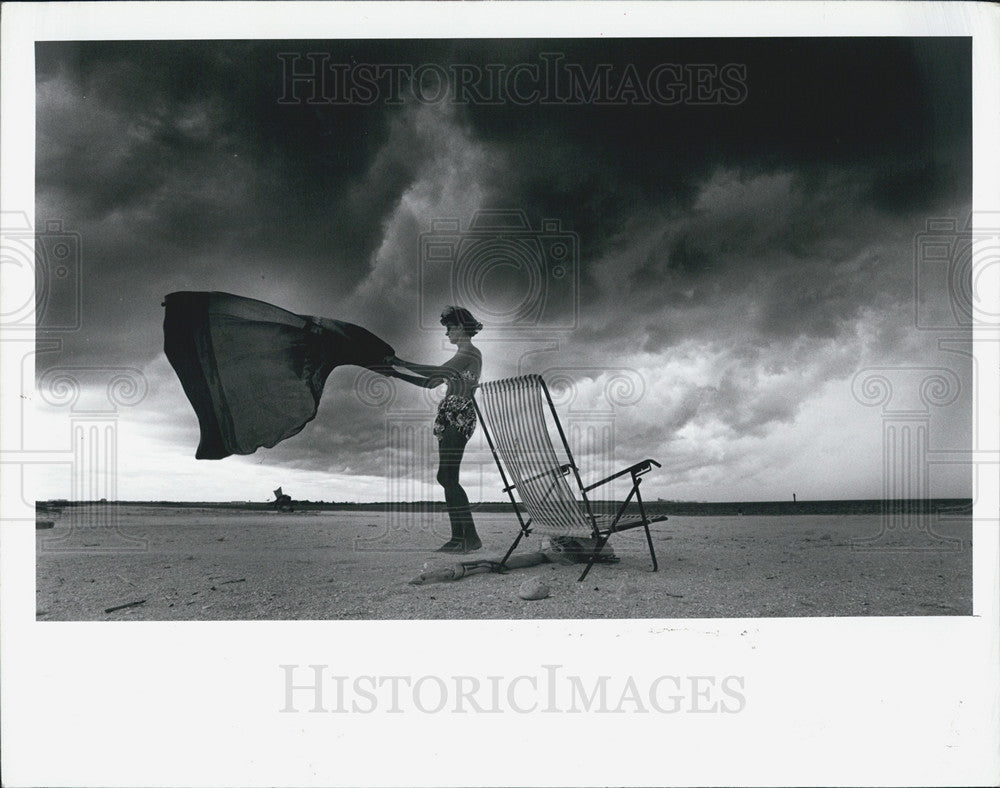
<point>456,571</point>
<point>122,607</point>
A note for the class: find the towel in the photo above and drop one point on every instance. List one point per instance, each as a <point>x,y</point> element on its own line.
<point>253,372</point>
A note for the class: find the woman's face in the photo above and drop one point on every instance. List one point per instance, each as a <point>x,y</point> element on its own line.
<point>455,333</point>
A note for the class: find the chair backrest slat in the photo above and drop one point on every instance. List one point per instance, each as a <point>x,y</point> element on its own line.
<point>514,414</point>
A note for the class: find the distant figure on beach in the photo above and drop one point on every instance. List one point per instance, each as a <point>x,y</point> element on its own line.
<point>282,501</point>
<point>456,418</point>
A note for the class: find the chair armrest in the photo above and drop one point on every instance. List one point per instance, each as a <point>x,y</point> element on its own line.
<point>562,470</point>
<point>635,470</point>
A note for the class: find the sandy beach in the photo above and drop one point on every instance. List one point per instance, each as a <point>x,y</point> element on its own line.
<point>217,564</point>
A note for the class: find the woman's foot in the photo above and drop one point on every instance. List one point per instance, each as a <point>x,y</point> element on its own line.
<point>472,543</point>
<point>460,545</point>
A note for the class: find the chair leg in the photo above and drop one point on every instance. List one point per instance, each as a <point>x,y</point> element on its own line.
<point>649,541</point>
<point>593,556</point>
<point>511,550</point>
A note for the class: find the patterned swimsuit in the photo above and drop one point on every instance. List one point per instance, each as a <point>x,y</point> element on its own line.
<point>457,411</point>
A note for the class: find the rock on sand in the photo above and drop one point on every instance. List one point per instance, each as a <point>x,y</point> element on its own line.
<point>533,588</point>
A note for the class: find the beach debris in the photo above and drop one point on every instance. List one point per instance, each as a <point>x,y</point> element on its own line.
<point>443,574</point>
<point>576,550</point>
<point>42,524</point>
<point>122,607</point>
<point>240,580</point>
<point>533,588</point>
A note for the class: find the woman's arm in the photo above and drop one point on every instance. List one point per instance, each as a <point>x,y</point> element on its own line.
<point>423,382</point>
<point>421,369</point>
<point>450,370</point>
<point>433,376</point>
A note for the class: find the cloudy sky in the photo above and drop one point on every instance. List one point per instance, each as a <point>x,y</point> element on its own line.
<point>737,218</point>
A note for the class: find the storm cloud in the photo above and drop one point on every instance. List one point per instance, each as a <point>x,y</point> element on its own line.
<point>743,215</point>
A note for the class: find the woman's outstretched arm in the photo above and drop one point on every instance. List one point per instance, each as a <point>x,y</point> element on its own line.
<point>450,370</point>
<point>417,380</point>
<point>422,369</point>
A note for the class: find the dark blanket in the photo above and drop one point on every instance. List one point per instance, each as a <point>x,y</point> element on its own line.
<point>253,372</point>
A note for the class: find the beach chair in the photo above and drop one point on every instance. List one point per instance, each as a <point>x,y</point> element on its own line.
<point>512,414</point>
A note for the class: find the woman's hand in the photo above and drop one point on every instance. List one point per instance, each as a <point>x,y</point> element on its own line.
<point>385,367</point>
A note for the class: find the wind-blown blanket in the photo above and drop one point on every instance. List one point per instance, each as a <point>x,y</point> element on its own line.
<point>254,373</point>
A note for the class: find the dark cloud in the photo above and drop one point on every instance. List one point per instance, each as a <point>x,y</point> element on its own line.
<point>810,104</point>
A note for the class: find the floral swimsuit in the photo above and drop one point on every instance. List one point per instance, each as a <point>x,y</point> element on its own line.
<point>457,410</point>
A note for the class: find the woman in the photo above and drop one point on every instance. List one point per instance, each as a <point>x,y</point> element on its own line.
<point>456,418</point>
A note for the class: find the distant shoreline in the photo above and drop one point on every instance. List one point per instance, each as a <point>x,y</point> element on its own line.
<point>950,506</point>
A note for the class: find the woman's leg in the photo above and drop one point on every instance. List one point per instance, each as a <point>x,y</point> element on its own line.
<point>463,529</point>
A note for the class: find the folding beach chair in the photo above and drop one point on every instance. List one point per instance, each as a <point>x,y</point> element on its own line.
<point>512,413</point>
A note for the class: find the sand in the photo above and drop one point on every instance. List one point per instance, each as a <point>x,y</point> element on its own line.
<point>217,564</point>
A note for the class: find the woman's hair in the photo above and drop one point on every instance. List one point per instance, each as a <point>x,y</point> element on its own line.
<point>457,316</point>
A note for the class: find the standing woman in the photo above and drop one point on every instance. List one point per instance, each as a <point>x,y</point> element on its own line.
<point>456,418</point>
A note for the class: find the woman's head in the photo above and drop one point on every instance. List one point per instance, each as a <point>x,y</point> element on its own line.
<point>462,318</point>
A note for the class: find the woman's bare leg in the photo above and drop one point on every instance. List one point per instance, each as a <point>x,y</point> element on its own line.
<point>463,528</point>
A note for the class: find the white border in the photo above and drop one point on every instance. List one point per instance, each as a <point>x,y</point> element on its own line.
<point>902,701</point>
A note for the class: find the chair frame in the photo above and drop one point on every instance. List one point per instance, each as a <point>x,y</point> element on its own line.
<point>601,533</point>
